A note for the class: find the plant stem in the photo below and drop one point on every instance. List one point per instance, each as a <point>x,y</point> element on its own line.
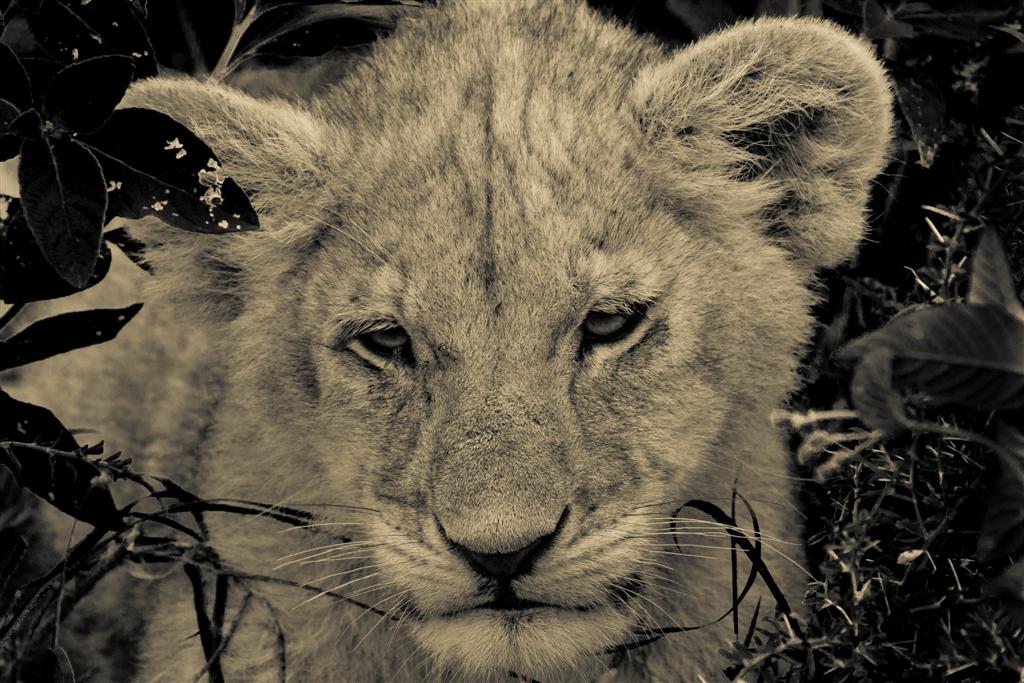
<point>10,314</point>
<point>237,31</point>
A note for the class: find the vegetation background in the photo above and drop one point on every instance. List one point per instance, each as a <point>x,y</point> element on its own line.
<point>900,589</point>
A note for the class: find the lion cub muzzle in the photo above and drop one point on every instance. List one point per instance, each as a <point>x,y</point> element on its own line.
<point>500,476</point>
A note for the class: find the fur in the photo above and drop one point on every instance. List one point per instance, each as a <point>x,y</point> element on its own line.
<point>487,176</point>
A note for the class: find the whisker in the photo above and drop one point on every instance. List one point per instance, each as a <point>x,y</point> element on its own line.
<point>690,555</point>
<point>654,604</point>
<point>350,571</point>
<point>336,588</point>
<point>320,524</point>
<point>382,618</point>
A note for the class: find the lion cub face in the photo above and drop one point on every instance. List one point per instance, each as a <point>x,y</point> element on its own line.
<point>534,366</point>
<point>545,283</point>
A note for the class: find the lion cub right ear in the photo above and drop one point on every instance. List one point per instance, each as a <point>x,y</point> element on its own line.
<point>276,151</point>
<point>271,147</point>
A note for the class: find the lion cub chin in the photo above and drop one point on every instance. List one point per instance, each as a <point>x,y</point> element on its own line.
<point>527,283</point>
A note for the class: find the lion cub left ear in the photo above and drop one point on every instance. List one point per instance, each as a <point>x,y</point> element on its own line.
<point>785,121</point>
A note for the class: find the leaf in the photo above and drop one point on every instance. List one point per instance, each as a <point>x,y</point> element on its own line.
<point>879,23</point>
<point>991,281</point>
<point>41,71</point>
<point>82,96</point>
<point>15,550</point>
<point>8,113</point>
<point>964,354</point>
<point>873,393</point>
<point>284,18</point>
<point>61,476</point>
<point>1009,588</point>
<point>1002,530</point>
<point>73,30</point>
<point>27,125</point>
<point>65,200</point>
<point>14,87</point>
<point>158,167</point>
<point>924,108</point>
<point>24,273</point>
<point>63,333</point>
<point>10,145</point>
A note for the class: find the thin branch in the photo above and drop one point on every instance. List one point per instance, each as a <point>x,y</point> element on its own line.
<point>237,31</point>
<point>10,314</point>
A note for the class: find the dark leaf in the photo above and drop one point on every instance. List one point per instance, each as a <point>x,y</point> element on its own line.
<point>24,273</point>
<point>284,18</point>
<point>24,422</point>
<point>160,168</point>
<point>10,558</point>
<point>1009,588</point>
<point>963,26</point>
<point>41,71</point>
<point>40,665</point>
<point>73,30</point>
<point>879,23</point>
<point>873,393</point>
<point>963,354</point>
<point>8,113</point>
<point>14,86</point>
<point>45,459</point>
<point>63,333</point>
<point>27,125</point>
<point>10,145</point>
<point>991,281</point>
<point>1002,531</point>
<point>82,95</point>
<point>65,201</point>
<point>924,108</point>
<point>134,249</point>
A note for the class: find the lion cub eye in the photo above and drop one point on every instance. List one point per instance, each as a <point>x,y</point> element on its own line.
<point>388,343</point>
<point>600,327</point>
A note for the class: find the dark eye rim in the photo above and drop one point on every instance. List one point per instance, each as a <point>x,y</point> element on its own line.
<point>402,353</point>
<point>633,315</point>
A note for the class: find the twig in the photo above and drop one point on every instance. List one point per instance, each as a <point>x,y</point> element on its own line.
<point>206,637</point>
<point>237,31</point>
<point>227,639</point>
<point>10,314</point>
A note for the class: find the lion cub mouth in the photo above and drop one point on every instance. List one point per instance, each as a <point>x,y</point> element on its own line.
<point>507,601</point>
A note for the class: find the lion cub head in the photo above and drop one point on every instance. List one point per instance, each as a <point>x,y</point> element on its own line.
<point>526,280</point>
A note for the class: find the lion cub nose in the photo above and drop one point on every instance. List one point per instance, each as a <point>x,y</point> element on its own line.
<point>506,566</point>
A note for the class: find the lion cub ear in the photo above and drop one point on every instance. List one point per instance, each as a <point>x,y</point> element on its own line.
<point>787,119</point>
<point>275,151</point>
<point>268,146</point>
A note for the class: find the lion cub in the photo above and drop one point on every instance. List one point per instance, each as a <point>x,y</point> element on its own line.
<point>527,283</point>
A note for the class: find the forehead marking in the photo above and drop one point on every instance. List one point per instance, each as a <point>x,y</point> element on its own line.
<point>488,266</point>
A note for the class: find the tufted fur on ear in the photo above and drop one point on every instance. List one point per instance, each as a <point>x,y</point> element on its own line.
<point>274,149</point>
<point>787,118</point>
